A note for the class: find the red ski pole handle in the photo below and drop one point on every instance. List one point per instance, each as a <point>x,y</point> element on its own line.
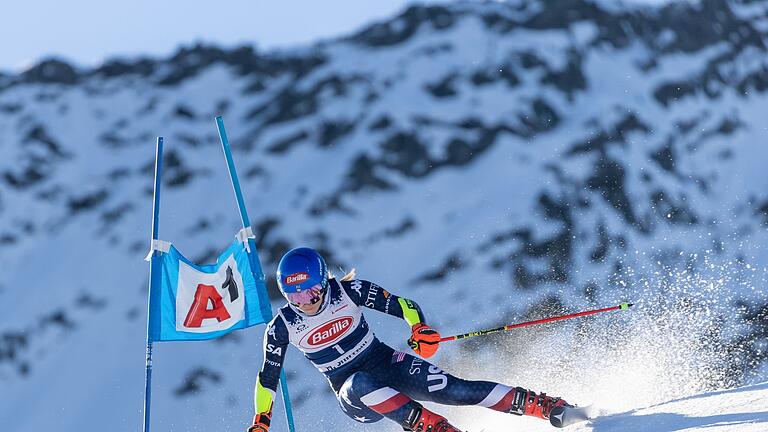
<point>623,306</point>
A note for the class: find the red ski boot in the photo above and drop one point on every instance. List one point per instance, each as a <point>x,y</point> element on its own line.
<point>526,402</point>
<point>424,420</point>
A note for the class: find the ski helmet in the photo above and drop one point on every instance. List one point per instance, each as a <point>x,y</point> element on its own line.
<point>302,276</point>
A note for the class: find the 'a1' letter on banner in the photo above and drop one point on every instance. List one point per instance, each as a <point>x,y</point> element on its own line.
<point>208,302</point>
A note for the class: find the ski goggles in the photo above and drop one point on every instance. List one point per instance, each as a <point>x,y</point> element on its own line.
<point>307,297</point>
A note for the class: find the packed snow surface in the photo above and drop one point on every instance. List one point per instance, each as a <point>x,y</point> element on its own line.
<point>742,409</point>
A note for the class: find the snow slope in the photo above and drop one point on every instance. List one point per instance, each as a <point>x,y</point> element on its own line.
<point>738,410</point>
<point>743,409</point>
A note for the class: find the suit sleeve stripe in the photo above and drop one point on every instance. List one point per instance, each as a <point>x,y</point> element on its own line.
<point>263,398</point>
<point>411,313</point>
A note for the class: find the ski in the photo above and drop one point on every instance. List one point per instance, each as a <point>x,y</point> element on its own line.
<point>564,416</point>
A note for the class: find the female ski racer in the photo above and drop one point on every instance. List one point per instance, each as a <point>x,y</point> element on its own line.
<point>324,319</point>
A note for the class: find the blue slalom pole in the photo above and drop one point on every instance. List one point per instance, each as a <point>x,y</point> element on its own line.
<point>232,172</point>
<point>253,260</point>
<point>152,270</point>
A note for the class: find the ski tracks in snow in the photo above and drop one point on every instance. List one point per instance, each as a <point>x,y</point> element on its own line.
<point>743,409</point>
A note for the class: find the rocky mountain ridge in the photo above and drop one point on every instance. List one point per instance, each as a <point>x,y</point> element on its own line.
<point>513,158</point>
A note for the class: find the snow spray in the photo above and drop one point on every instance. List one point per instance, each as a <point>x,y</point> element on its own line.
<point>686,335</point>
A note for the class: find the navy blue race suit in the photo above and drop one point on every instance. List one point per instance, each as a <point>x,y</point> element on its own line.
<point>370,379</point>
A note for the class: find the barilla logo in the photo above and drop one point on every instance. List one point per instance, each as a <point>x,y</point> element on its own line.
<point>329,332</point>
<point>295,278</point>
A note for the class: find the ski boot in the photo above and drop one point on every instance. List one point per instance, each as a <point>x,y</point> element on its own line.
<point>423,420</point>
<point>526,402</point>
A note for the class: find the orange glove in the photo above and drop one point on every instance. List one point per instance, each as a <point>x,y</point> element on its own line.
<point>260,423</point>
<point>424,340</point>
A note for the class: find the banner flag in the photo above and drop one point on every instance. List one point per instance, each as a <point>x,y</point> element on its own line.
<point>194,302</point>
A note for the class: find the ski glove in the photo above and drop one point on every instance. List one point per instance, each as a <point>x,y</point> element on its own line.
<point>260,423</point>
<point>424,340</point>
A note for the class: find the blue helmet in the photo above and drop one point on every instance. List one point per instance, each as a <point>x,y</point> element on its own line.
<point>301,269</point>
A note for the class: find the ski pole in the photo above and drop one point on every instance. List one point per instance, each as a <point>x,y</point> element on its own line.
<point>623,306</point>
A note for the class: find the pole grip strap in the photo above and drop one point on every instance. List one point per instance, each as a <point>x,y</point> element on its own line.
<point>161,246</point>
<point>243,235</point>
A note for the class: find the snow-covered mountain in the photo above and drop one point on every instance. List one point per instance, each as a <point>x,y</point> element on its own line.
<point>493,161</point>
